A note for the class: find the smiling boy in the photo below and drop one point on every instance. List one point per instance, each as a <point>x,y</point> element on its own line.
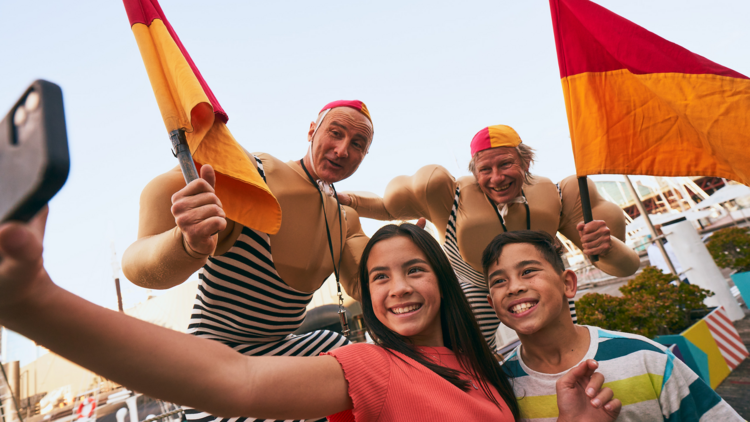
<point>529,290</point>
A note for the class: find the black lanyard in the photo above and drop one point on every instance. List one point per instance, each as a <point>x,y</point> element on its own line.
<point>500,217</point>
<point>342,314</point>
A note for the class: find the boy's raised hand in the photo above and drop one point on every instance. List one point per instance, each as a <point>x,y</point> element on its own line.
<point>21,265</point>
<point>581,398</point>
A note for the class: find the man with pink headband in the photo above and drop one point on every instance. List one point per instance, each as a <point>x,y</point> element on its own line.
<point>502,195</point>
<point>255,287</point>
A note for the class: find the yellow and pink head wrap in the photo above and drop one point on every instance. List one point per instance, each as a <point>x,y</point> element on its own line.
<point>355,104</point>
<point>494,137</point>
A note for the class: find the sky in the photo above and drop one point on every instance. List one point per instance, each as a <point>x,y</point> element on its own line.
<point>431,73</point>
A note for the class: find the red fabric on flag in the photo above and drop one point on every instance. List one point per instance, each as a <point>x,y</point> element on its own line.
<point>145,11</point>
<point>593,39</point>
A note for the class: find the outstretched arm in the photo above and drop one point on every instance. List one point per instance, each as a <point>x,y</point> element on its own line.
<point>356,240</point>
<point>428,193</point>
<point>155,360</point>
<point>177,229</point>
<point>605,236</point>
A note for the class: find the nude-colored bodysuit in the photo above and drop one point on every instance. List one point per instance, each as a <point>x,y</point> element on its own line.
<point>300,248</point>
<point>255,288</point>
<point>467,223</point>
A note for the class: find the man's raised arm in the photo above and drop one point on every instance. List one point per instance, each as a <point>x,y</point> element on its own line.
<point>177,230</point>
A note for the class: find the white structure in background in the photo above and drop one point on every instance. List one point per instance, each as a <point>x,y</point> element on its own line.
<point>703,271</point>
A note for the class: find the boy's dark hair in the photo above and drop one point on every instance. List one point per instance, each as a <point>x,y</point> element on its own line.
<point>549,247</point>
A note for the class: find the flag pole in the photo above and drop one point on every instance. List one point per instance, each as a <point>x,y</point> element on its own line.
<point>181,150</point>
<point>650,226</point>
<point>583,187</point>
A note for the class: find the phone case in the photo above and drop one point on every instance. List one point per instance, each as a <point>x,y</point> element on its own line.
<point>34,160</point>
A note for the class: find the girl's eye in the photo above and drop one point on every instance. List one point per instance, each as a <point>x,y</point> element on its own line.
<point>415,270</point>
<point>377,277</point>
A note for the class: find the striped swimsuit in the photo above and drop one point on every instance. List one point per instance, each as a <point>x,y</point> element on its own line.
<point>243,303</point>
<point>473,283</point>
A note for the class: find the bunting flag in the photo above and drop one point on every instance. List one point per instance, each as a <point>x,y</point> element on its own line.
<point>639,104</point>
<point>186,102</point>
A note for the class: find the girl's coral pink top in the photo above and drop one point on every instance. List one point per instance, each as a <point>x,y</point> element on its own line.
<point>385,388</point>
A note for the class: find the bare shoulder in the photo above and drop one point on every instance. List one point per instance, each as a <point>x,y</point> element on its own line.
<point>464,181</point>
<point>165,184</point>
<point>155,214</point>
<point>539,182</point>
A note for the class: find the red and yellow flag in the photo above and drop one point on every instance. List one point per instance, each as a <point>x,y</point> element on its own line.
<point>186,102</point>
<point>639,104</point>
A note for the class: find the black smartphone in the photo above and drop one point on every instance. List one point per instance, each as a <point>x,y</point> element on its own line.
<point>34,160</point>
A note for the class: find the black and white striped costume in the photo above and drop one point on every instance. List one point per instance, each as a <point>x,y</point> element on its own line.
<point>243,303</point>
<point>473,284</point>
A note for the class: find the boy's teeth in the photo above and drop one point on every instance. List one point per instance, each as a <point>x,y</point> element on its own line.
<point>522,307</point>
<point>405,309</point>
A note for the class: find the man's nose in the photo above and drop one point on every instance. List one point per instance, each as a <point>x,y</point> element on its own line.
<point>497,177</point>
<point>342,148</point>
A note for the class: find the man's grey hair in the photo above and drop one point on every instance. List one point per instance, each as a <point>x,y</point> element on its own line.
<point>525,152</point>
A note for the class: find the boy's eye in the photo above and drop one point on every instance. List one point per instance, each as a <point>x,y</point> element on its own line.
<point>528,271</point>
<point>496,281</point>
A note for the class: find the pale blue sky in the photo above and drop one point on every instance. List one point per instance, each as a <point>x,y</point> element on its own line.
<point>432,74</point>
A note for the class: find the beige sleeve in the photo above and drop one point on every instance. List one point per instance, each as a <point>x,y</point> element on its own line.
<point>356,240</point>
<point>428,193</point>
<point>620,261</point>
<point>158,260</point>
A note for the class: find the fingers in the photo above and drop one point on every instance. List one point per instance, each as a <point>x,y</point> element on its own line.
<point>595,237</point>
<point>603,397</point>
<point>613,408</point>
<point>189,203</point>
<point>344,199</point>
<point>20,255</point>
<point>422,222</point>
<point>207,174</point>
<point>595,384</point>
<point>579,374</point>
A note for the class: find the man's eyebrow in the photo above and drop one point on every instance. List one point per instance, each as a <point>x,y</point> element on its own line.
<point>527,262</point>
<point>335,123</point>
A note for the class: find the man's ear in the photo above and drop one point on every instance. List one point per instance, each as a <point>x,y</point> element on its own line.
<point>311,131</point>
<point>570,281</point>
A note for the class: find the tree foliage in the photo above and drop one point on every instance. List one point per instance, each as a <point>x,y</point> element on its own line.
<point>730,248</point>
<point>650,305</point>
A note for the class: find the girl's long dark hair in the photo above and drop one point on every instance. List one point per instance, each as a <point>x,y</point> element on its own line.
<point>460,330</point>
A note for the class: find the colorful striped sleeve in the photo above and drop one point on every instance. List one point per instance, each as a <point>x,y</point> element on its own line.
<point>686,397</point>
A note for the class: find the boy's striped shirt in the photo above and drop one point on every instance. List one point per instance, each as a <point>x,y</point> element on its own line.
<point>648,379</point>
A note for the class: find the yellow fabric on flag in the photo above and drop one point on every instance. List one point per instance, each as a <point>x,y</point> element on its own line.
<point>183,104</point>
<point>661,124</point>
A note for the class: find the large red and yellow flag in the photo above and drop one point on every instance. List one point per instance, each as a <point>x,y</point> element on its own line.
<point>639,104</point>
<point>186,102</point>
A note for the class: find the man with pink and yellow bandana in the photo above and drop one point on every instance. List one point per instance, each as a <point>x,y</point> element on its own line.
<point>501,195</point>
<point>248,297</point>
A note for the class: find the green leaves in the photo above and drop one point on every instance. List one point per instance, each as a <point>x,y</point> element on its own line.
<point>649,305</point>
<point>730,248</point>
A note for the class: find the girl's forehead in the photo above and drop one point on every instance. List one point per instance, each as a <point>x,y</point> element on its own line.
<point>393,252</point>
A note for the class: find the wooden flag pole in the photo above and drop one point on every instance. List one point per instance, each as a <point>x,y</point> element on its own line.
<point>181,150</point>
<point>583,187</point>
<point>650,226</point>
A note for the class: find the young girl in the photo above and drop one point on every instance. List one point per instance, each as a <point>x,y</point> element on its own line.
<point>430,363</point>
